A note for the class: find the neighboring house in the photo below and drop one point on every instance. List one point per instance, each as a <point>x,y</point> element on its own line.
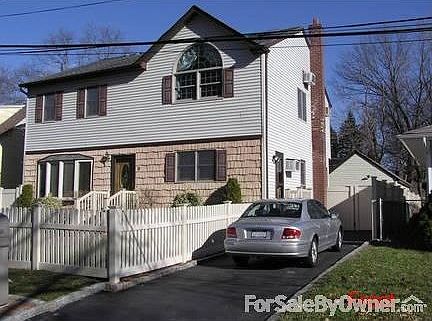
<point>185,116</point>
<point>419,144</point>
<point>353,185</point>
<point>12,133</point>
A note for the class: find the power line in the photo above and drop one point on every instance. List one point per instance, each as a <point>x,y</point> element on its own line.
<point>18,14</point>
<point>379,23</point>
<point>59,51</point>
<point>218,39</point>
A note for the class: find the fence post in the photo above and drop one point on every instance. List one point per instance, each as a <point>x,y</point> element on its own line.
<point>380,218</point>
<point>184,231</point>
<point>36,220</point>
<point>228,211</point>
<point>123,199</point>
<point>1,197</point>
<point>114,244</point>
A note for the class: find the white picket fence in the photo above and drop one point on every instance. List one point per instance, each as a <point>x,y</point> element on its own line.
<point>115,243</point>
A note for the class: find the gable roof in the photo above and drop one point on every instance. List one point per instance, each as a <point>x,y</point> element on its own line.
<point>11,119</point>
<point>421,132</point>
<point>139,60</point>
<point>376,165</point>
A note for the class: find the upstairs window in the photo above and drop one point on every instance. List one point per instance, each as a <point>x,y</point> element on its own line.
<point>199,73</point>
<point>49,107</point>
<point>92,102</point>
<point>301,104</point>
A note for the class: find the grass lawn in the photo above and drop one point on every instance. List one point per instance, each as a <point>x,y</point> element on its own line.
<point>376,270</point>
<point>44,285</point>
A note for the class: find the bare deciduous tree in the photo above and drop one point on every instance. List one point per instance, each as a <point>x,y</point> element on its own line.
<point>390,83</point>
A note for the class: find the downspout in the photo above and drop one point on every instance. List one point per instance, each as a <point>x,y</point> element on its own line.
<point>25,133</point>
<point>264,125</point>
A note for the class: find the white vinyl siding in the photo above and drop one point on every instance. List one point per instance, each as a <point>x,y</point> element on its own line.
<point>135,113</point>
<point>287,133</point>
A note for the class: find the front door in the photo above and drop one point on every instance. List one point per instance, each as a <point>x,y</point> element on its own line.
<point>279,172</point>
<point>123,173</point>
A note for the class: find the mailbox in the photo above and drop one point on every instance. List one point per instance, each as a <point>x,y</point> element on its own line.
<point>4,248</point>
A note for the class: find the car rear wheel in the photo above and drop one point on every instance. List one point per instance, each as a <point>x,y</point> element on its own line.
<point>312,258</point>
<point>241,261</point>
<point>337,247</point>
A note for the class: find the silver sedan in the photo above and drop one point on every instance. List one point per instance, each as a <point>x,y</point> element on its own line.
<point>295,227</point>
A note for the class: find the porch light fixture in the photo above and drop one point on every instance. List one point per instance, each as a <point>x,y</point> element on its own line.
<point>275,159</point>
<point>105,158</point>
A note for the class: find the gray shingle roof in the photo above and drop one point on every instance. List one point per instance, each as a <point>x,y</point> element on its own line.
<point>98,66</point>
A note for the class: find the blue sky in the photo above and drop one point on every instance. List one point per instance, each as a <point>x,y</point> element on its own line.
<point>147,20</point>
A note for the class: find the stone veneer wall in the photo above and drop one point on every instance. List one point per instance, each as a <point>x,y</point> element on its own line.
<point>243,163</point>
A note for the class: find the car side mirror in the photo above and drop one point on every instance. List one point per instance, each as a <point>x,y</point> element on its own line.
<point>333,214</point>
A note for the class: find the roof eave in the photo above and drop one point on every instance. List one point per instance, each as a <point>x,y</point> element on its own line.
<point>135,65</point>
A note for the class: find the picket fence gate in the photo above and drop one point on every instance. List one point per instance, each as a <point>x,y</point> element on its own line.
<point>115,243</point>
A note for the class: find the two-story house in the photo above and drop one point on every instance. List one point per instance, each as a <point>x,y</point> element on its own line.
<point>185,115</point>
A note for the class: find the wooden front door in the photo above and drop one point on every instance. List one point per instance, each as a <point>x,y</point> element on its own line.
<point>123,173</point>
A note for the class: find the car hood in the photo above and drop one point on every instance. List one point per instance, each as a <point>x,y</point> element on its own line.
<point>266,221</point>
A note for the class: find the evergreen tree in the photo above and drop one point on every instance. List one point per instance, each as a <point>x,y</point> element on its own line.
<point>350,137</point>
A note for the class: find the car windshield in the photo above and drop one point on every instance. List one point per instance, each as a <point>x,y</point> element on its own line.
<point>274,209</point>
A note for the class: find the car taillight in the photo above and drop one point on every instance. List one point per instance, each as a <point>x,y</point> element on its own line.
<point>291,233</point>
<point>231,232</point>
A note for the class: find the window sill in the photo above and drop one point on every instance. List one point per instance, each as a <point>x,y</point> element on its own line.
<point>188,101</point>
<point>201,181</point>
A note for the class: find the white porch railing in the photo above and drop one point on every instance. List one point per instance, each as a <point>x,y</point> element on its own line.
<point>124,199</point>
<point>299,193</point>
<point>92,201</point>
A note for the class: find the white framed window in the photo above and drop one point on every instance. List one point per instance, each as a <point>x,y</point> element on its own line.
<point>64,179</point>
<point>301,104</point>
<point>49,107</point>
<point>199,73</point>
<point>196,166</point>
<point>92,102</point>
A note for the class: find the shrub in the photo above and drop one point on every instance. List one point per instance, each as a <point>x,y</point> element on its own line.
<point>48,201</point>
<point>26,197</point>
<point>419,229</point>
<point>190,198</point>
<point>233,191</point>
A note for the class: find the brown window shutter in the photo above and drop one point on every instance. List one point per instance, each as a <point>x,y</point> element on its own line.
<point>221,165</point>
<point>228,83</point>
<point>38,109</point>
<point>80,103</point>
<point>170,167</point>
<point>103,100</point>
<point>167,90</point>
<point>58,105</point>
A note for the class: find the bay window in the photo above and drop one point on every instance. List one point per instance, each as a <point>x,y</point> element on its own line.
<point>64,176</point>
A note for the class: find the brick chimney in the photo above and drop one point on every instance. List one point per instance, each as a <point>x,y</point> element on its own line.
<point>318,110</point>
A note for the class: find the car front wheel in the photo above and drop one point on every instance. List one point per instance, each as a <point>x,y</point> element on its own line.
<point>312,258</point>
<point>337,247</point>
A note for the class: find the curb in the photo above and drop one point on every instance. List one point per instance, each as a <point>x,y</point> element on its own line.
<point>121,286</point>
<point>57,303</point>
<point>60,302</point>
<point>307,287</point>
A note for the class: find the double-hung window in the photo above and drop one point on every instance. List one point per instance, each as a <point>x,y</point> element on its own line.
<point>199,73</point>
<point>92,102</point>
<point>49,107</point>
<point>66,177</point>
<point>196,166</point>
<point>301,104</point>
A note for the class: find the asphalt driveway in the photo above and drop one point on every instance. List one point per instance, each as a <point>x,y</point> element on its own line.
<point>213,290</point>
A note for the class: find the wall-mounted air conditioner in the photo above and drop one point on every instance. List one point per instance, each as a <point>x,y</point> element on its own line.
<point>309,78</point>
<point>291,165</point>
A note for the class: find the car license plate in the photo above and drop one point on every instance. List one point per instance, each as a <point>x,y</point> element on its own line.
<point>258,234</point>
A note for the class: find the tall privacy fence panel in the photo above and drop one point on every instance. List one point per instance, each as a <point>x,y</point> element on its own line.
<point>115,243</point>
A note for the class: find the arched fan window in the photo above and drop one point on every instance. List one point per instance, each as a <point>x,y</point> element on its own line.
<point>199,72</point>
